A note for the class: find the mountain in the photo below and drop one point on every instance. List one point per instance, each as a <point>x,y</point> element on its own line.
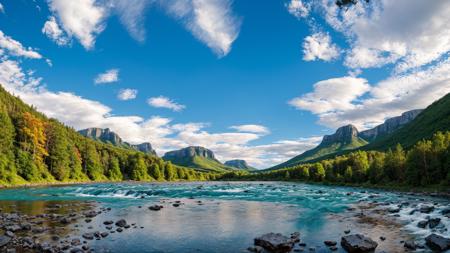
<point>345,138</point>
<point>196,157</point>
<point>436,117</point>
<point>389,126</point>
<point>239,164</point>
<point>107,136</point>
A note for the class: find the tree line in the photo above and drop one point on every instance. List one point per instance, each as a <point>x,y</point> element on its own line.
<point>426,163</point>
<point>35,149</point>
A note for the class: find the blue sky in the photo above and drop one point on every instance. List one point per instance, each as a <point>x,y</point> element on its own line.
<point>261,82</point>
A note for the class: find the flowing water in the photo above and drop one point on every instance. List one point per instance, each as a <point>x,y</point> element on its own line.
<point>226,217</point>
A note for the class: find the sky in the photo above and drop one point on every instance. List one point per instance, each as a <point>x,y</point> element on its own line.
<point>261,81</point>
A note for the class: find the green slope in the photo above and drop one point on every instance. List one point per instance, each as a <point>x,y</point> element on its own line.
<point>200,163</point>
<point>435,117</point>
<point>323,150</point>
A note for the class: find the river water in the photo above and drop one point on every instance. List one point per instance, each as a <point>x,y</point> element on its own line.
<point>226,217</point>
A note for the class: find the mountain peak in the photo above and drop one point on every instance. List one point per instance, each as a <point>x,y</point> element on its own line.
<point>239,164</point>
<point>344,134</point>
<point>190,151</point>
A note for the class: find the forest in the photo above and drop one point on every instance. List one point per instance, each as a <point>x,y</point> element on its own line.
<point>427,163</point>
<point>35,149</point>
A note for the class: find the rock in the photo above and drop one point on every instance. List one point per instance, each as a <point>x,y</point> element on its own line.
<point>121,223</point>
<point>10,234</point>
<point>75,242</point>
<point>382,238</point>
<point>155,207</point>
<point>422,224</point>
<point>119,230</point>
<point>394,210</point>
<point>176,204</point>
<point>358,243</point>
<point>108,222</point>
<point>104,234</point>
<point>4,240</point>
<point>426,209</point>
<point>410,245</point>
<point>256,249</point>
<point>64,221</point>
<point>11,250</point>
<point>437,242</point>
<point>434,222</point>
<point>90,214</point>
<point>330,243</point>
<point>445,211</point>
<point>76,250</point>
<point>333,248</point>
<point>347,232</point>
<point>275,242</point>
<point>88,236</point>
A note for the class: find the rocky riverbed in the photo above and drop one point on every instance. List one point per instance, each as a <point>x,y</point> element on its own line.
<point>219,217</point>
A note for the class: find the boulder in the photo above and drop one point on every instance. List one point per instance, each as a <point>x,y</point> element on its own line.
<point>275,242</point>
<point>437,242</point>
<point>330,243</point>
<point>358,243</point>
<point>410,245</point>
<point>155,207</point>
<point>426,209</point>
<point>121,223</point>
<point>434,222</point>
<point>4,240</point>
<point>422,224</point>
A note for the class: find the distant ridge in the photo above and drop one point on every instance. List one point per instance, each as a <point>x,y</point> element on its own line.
<point>239,164</point>
<point>107,136</point>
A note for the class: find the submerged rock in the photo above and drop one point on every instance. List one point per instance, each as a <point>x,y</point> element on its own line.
<point>155,207</point>
<point>437,242</point>
<point>410,245</point>
<point>422,224</point>
<point>121,223</point>
<point>330,243</point>
<point>275,242</point>
<point>358,243</point>
<point>434,222</point>
<point>426,209</point>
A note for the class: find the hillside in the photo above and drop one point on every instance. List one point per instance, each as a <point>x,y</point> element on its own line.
<point>435,117</point>
<point>239,164</point>
<point>345,138</point>
<point>196,157</point>
<point>36,149</point>
<point>108,136</point>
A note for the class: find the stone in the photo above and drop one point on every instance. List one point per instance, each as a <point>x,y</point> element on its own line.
<point>275,242</point>
<point>108,222</point>
<point>76,250</point>
<point>426,209</point>
<point>422,224</point>
<point>410,245</point>
<point>121,223</point>
<point>437,242</point>
<point>358,243</point>
<point>155,207</point>
<point>4,240</point>
<point>104,234</point>
<point>88,236</point>
<point>256,249</point>
<point>434,222</point>
<point>330,243</point>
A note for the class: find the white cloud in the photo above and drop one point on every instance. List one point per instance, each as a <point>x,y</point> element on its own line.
<point>408,33</point>
<point>165,102</point>
<point>336,94</point>
<point>2,9</point>
<point>211,21</point>
<point>127,94</point>
<point>257,129</point>
<point>52,30</point>
<point>346,100</point>
<point>298,8</point>
<point>132,16</point>
<point>109,76</point>
<point>15,48</point>
<point>83,19</point>
<point>319,46</point>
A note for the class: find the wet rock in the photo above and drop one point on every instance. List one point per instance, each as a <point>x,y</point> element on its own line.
<point>422,224</point>
<point>176,204</point>
<point>10,234</point>
<point>358,243</point>
<point>155,207</point>
<point>119,230</point>
<point>347,231</point>
<point>109,227</point>
<point>330,243</point>
<point>64,221</point>
<point>394,210</point>
<point>382,238</point>
<point>90,214</point>
<point>295,236</point>
<point>437,242</point>
<point>88,236</point>
<point>121,223</point>
<point>333,248</point>
<point>426,209</point>
<point>445,211</point>
<point>104,234</point>
<point>75,242</point>
<point>256,249</point>
<point>434,222</point>
<point>410,245</point>
<point>11,250</point>
<point>4,240</point>
<point>275,242</point>
<point>108,222</point>
<point>76,250</point>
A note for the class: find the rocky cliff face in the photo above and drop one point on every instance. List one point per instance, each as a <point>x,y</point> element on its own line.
<point>390,125</point>
<point>104,135</point>
<point>239,164</point>
<point>344,134</point>
<point>190,152</point>
<point>108,136</point>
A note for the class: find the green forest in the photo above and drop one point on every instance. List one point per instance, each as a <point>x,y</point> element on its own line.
<point>426,163</point>
<point>35,149</point>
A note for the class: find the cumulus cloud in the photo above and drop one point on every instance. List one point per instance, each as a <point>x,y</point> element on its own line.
<point>132,16</point>
<point>2,9</point>
<point>52,30</point>
<point>127,94</point>
<point>341,101</point>
<point>257,129</point>
<point>298,8</point>
<point>15,48</point>
<point>165,102</point>
<point>319,46</point>
<point>109,76</point>
<point>210,21</point>
<point>83,19</point>
<point>409,34</point>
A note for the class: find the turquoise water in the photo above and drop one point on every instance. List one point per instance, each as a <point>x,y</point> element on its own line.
<point>231,214</point>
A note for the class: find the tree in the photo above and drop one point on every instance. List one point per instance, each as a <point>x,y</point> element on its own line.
<point>360,166</point>
<point>32,137</point>
<point>114,172</point>
<point>376,169</point>
<point>58,152</point>
<point>91,162</point>
<point>395,163</point>
<point>170,172</point>
<point>138,168</point>
<point>318,172</point>
<point>348,174</point>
